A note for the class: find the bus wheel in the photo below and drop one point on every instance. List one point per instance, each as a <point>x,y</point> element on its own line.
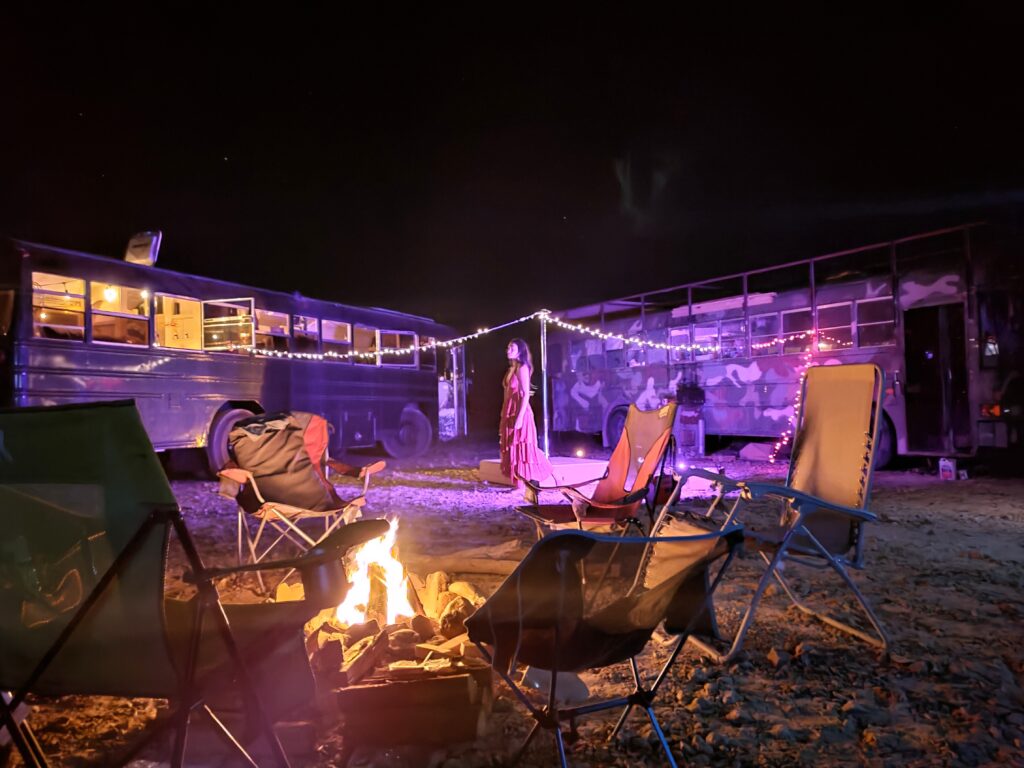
<point>412,437</point>
<point>885,450</point>
<point>616,423</point>
<point>217,448</point>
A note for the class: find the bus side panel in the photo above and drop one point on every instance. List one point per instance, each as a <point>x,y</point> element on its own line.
<point>177,394</point>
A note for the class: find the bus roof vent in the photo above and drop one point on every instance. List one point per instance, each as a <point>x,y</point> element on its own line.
<point>143,248</point>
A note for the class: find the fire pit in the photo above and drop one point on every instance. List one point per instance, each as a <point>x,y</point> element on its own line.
<point>396,654</point>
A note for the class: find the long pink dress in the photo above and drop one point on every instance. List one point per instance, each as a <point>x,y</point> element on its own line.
<point>519,451</point>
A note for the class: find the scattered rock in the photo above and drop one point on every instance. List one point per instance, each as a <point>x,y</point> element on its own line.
<point>778,659</point>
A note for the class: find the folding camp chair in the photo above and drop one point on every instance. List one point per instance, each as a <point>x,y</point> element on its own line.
<point>85,517</point>
<point>639,457</point>
<point>581,600</point>
<point>281,479</point>
<point>824,498</point>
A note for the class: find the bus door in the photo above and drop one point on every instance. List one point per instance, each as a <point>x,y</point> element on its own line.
<point>937,405</point>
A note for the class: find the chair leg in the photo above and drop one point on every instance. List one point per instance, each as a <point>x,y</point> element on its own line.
<point>661,737</point>
<point>560,746</point>
<point>881,641</point>
<point>22,736</point>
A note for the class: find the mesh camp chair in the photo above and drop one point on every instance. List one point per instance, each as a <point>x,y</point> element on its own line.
<point>85,517</point>
<point>282,476</point>
<point>824,498</point>
<point>581,600</point>
<point>638,459</point>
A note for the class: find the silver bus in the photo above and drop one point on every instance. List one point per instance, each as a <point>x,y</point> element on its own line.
<point>941,313</point>
<point>197,354</point>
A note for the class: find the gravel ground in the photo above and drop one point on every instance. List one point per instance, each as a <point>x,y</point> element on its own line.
<point>945,570</point>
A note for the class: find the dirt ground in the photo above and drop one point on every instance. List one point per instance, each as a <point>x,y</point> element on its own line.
<point>944,570</point>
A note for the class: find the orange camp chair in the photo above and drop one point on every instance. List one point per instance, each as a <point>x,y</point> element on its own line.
<point>638,458</point>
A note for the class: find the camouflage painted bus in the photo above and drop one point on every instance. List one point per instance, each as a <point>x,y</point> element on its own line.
<point>940,312</point>
<point>197,354</point>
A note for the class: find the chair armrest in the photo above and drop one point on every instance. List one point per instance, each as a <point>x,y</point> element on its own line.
<point>537,487</point>
<point>625,501</point>
<point>798,498</point>
<point>373,468</point>
<point>726,482</point>
<point>241,477</point>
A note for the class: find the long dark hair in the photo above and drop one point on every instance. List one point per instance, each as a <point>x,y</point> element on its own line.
<point>524,358</point>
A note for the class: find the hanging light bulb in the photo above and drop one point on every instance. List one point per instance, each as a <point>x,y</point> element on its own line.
<point>110,294</point>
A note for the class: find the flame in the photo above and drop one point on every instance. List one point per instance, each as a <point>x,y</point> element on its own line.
<point>353,610</point>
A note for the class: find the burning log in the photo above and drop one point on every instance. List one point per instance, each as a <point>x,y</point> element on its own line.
<point>436,585</point>
<point>453,618</point>
<point>468,591</point>
<point>361,659</point>
<point>448,649</point>
<point>357,632</point>
<point>423,627</point>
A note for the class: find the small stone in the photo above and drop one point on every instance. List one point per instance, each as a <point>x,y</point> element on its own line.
<point>781,731</point>
<point>778,659</point>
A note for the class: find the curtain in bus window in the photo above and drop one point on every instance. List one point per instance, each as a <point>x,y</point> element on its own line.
<point>178,323</point>
<point>58,307</point>
<point>595,354</point>
<point>120,314</point>
<point>614,353</point>
<point>835,327</point>
<point>657,356</point>
<point>578,356</point>
<point>336,336</point>
<point>876,322</point>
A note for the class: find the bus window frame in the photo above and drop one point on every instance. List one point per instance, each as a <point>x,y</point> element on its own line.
<point>148,317</point>
<point>285,347</point>
<point>819,328</point>
<point>764,338</point>
<point>337,357</point>
<point>181,297</point>
<point>357,354</point>
<point>293,339</point>
<point>84,296</point>
<point>413,357</point>
<point>893,322</point>
<point>810,339</point>
<point>252,324</point>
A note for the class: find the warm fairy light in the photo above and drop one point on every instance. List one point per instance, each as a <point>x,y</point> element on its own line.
<point>110,294</point>
<point>787,434</point>
<point>580,453</point>
<point>144,294</point>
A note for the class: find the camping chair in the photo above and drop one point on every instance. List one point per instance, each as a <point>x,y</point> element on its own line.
<point>581,600</point>
<point>281,479</point>
<point>824,498</point>
<point>639,456</point>
<point>85,516</point>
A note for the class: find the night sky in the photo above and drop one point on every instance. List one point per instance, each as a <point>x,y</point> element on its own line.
<point>475,168</point>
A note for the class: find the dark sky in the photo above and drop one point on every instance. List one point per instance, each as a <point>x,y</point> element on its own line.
<point>473,169</point>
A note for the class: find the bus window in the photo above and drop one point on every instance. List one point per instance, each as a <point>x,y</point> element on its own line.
<point>876,323</point>
<point>228,325</point>
<point>428,354</point>
<point>734,339</point>
<point>305,334</point>
<point>6,311</point>
<point>678,337</point>
<point>58,307</point>
<point>578,355</point>
<point>271,330</point>
<point>178,323</point>
<point>764,335</point>
<point>398,340</point>
<point>705,337</point>
<point>835,327</point>
<point>614,355</point>
<point>337,336</point>
<point>365,340</point>
<point>657,356</point>
<point>797,329</point>
<point>120,315</point>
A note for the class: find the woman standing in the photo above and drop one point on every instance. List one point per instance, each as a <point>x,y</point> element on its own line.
<point>520,455</point>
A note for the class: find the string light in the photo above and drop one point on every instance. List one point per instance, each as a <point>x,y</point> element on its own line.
<point>787,435</point>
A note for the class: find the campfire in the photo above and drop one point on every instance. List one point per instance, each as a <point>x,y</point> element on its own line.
<point>379,585</point>
<point>399,642</point>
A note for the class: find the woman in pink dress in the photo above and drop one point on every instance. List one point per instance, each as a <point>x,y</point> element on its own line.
<point>520,455</point>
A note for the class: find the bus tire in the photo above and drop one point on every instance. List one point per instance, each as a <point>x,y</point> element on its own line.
<point>217,446</point>
<point>885,448</point>
<point>615,425</point>
<point>412,437</point>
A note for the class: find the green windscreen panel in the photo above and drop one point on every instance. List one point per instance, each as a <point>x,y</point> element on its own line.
<point>76,484</point>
